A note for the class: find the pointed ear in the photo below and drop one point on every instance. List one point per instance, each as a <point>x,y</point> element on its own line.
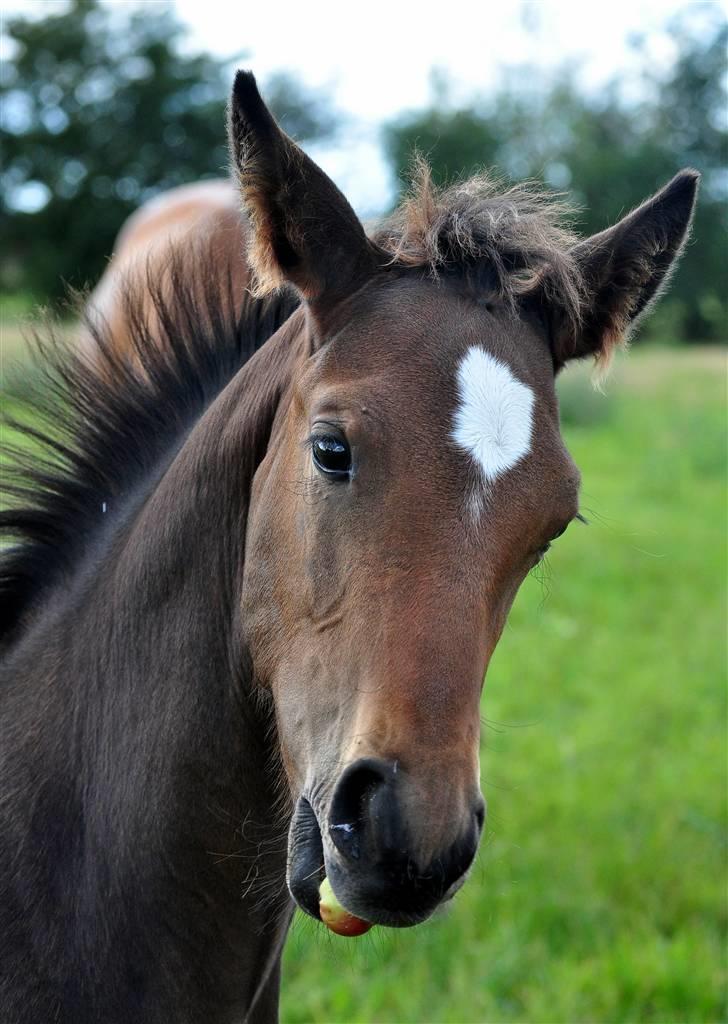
<point>624,269</point>
<point>303,229</point>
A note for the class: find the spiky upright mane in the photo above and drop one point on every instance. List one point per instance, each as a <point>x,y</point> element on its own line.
<point>519,236</point>
<point>98,421</point>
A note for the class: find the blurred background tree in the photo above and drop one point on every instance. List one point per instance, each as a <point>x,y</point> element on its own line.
<point>608,151</point>
<point>101,109</point>
<point>103,106</point>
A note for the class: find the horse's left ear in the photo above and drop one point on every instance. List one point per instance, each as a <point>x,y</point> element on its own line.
<point>624,269</point>
<point>303,229</point>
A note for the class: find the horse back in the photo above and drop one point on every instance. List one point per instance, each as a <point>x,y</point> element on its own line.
<point>204,216</point>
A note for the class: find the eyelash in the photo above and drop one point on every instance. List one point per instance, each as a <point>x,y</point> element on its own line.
<point>542,552</point>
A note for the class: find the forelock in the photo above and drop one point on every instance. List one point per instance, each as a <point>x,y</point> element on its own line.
<point>518,238</point>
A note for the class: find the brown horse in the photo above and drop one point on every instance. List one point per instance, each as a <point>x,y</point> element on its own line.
<point>206,217</point>
<point>253,599</point>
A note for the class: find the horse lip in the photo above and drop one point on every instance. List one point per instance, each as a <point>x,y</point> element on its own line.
<point>456,885</point>
<point>383,912</point>
<point>308,866</point>
<point>306,869</point>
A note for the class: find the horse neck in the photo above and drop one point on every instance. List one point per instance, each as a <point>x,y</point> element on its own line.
<point>166,606</point>
<point>159,744</point>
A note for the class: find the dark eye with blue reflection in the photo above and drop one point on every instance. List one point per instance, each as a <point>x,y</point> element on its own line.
<point>332,456</point>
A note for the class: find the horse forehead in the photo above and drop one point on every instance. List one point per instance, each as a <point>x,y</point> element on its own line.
<point>441,360</point>
<point>494,412</point>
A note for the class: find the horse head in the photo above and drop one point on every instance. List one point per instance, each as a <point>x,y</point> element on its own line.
<point>415,473</point>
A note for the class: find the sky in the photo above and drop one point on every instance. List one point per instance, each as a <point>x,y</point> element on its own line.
<point>378,55</point>
<point>375,59</point>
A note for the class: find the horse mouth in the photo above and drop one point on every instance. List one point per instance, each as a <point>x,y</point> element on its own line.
<point>306,867</point>
<point>392,898</point>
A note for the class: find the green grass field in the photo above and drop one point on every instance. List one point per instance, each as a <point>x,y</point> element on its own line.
<point>601,891</point>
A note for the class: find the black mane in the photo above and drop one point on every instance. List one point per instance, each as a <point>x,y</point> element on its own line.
<point>98,421</point>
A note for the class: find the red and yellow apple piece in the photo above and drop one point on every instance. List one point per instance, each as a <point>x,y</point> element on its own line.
<point>336,917</point>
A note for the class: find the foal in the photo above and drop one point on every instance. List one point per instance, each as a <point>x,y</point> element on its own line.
<point>260,569</point>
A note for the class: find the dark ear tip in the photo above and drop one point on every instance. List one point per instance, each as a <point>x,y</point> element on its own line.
<point>689,173</point>
<point>244,84</point>
<point>684,185</point>
<point>246,99</point>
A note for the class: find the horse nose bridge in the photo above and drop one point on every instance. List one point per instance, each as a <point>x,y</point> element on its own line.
<point>410,718</point>
<point>415,636</point>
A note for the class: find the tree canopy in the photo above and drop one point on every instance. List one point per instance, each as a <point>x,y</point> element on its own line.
<point>607,151</point>
<point>101,109</point>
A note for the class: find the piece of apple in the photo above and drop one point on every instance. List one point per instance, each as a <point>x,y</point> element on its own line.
<point>336,917</point>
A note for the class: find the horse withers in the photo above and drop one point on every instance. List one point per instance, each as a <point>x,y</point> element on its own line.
<point>257,577</point>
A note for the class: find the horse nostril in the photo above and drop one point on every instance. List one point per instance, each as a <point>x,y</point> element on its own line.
<point>351,803</point>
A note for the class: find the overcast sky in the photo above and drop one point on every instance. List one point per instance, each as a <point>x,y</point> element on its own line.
<point>375,58</point>
<point>379,53</point>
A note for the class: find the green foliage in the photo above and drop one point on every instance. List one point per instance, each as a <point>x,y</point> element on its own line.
<point>581,402</point>
<point>600,891</point>
<point>608,151</point>
<point>101,110</point>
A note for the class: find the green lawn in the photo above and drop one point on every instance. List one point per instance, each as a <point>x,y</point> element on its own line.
<point>601,890</point>
<point>600,893</point>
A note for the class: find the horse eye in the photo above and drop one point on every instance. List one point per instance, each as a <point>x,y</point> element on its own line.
<point>331,455</point>
<point>541,553</point>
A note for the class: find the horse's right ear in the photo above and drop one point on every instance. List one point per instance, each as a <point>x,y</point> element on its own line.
<point>303,229</point>
<point>624,270</point>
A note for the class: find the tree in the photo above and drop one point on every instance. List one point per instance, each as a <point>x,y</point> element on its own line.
<point>101,110</point>
<point>607,151</point>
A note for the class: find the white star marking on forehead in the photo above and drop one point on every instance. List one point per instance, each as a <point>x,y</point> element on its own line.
<point>494,418</point>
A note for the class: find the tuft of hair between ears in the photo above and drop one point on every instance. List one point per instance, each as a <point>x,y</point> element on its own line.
<point>520,236</point>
